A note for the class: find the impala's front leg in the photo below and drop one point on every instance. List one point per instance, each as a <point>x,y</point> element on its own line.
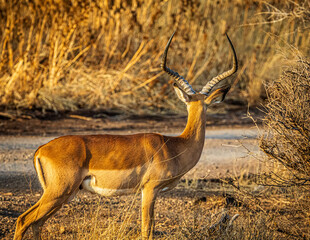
<point>148,201</point>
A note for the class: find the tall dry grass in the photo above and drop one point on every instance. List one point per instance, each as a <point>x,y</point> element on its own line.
<point>67,55</point>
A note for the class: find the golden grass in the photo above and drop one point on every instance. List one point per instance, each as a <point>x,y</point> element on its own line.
<point>68,55</point>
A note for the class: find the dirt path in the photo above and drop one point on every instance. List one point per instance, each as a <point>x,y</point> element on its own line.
<point>225,149</point>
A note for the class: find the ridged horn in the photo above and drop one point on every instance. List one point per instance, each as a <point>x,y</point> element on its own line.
<point>182,83</point>
<point>208,87</point>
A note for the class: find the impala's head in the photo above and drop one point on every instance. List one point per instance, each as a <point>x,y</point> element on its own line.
<point>185,91</point>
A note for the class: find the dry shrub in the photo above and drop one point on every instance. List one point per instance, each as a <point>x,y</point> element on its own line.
<point>70,54</point>
<point>287,144</point>
<point>287,141</point>
<point>282,199</point>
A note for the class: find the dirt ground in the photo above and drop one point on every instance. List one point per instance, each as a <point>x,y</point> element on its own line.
<point>20,189</point>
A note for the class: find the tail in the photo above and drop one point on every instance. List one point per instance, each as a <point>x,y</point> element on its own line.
<point>39,168</point>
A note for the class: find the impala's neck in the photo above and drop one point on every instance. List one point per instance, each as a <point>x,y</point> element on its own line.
<point>196,122</point>
<point>194,134</point>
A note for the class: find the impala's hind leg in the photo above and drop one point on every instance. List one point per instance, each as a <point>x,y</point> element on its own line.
<point>49,204</point>
<point>43,214</point>
<point>24,221</point>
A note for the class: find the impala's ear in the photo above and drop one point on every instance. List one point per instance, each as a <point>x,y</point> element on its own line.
<point>181,94</point>
<point>217,95</point>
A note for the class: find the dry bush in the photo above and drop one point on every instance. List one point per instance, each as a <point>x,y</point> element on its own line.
<point>67,55</point>
<point>272,212</point>
<point>287,144</point>
<point>287,141</point>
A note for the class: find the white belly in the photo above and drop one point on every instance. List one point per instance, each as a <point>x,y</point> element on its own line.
<point>119,182</point>
<point>90,185</point>
<point>114,183</point>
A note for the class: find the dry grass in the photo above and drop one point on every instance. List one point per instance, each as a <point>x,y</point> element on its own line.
<point>282,212</point>
<point>68,55</point>
<point>186,213</point>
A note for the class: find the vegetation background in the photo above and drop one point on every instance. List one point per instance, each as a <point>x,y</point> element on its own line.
<point>70,54</point>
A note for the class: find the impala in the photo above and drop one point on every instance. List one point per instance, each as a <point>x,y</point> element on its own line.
<point>121,164</point>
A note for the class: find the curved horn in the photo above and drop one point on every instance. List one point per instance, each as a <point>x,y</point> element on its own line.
<point>179,79</point>
<point>208,87</point>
